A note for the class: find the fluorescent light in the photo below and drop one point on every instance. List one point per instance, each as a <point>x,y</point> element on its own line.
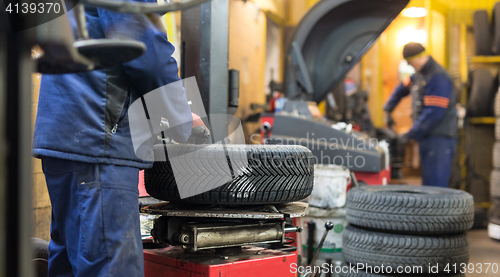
<point>410,34</point>
<point>414,12</point>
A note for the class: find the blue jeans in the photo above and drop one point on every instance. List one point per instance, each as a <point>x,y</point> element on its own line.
<point>437,156</point>
<point>95,227</point>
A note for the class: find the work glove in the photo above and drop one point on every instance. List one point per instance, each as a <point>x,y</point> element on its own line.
<point>404,139</point>
<point>200,133</point>
<point>389,121</point>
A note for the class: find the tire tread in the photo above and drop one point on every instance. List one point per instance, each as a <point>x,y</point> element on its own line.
<point>273,174</point>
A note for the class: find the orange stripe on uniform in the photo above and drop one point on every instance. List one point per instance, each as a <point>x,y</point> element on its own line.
<point>437,98</point>
<point>436,104</point>
<point>444,106</point>
<point>427,103</point>
<point>436,101</point>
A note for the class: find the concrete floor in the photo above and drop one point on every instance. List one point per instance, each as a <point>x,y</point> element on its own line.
<point>482,249</point>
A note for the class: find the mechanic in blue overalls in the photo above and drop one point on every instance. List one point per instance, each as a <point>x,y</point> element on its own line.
<point>82,136</point>
<point>434,116</point>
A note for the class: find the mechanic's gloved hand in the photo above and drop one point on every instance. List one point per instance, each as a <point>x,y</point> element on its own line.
<point>404,139</point>
<point>389,121</point>
<point>200,132</point>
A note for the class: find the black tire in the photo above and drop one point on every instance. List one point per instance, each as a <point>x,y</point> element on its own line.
<point>495,22</point>
<point>352,271</point>
<point>41,257</point>
<point>397,250</point>
<point>495,184</point>
<point>497,104</point>
<point>482,33</point>
<point>266,174</point>
<point>410,209</point>
<point>496,155</point>
<point>481,93</point>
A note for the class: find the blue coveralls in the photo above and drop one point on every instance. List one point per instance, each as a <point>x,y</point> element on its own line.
<point>435,122</point>
<point>82,136</point>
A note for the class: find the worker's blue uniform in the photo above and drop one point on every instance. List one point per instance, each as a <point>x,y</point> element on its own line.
<point>435,125</point>
<point>82,136</point>
<point>95,219</point>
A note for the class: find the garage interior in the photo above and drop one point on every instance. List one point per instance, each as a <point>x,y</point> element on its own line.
<point>302,82</point>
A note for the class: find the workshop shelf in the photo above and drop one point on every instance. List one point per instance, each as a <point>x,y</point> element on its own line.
<point>482,120</point>
<point>485,59</point>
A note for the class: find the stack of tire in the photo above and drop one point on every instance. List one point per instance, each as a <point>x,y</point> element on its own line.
<point>487,36</point>
<point>494,216</point>
<point>406,230</point>
<point>483,86</point>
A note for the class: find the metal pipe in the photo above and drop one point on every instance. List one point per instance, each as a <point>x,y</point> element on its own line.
<point>234,236</point>
<point>3,147</point>
<point>81,22</point>
<point>134,7</point>
<point>293,229</point>
<point>15,91</point>
<point>222,235</point>
<point>328,226</point>
<point>354,180</point>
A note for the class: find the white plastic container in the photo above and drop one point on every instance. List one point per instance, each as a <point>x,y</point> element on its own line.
<point>330,186</point>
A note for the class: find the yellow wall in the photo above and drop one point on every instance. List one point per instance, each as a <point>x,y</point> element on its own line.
<point>295,10</point>
<point>461,11</point>
<point>275,9</point>
<point>247,49</point>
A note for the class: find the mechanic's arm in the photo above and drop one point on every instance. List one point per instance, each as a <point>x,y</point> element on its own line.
<point>436,99</point>
<point>155,68</point>
<point>401,91</point>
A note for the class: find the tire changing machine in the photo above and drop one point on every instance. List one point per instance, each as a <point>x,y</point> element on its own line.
<point>221,241</point>
<point>252,240</point>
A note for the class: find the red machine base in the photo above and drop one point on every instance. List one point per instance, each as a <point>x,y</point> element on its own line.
<point>380,178</point>
<point>253,261</point>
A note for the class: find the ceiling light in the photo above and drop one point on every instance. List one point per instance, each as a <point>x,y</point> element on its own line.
<point>414,12</point>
